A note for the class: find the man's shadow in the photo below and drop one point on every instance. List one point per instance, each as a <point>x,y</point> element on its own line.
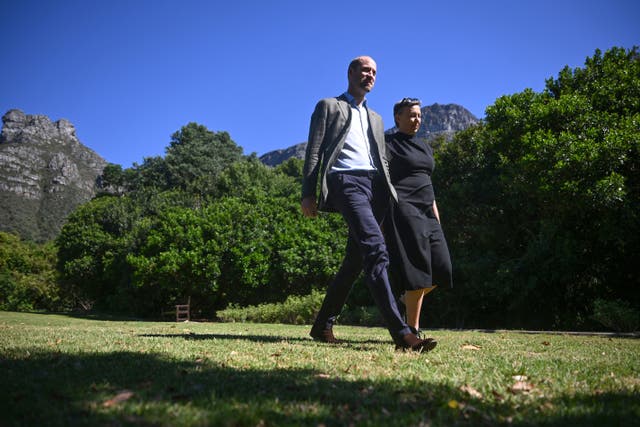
<point>265,338</point>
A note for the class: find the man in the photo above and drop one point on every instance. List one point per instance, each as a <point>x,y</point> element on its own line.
<point>346,151</point>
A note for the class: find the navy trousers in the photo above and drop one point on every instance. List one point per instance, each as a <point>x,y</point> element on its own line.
<point>362,198</point>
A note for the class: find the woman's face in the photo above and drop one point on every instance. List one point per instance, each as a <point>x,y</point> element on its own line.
<point>409,119</point>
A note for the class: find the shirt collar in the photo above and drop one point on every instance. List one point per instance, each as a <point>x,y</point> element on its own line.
<point>351,100</point>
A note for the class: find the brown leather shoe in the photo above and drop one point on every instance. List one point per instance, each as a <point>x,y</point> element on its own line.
<point>411,342</point>
<point>324,335</point>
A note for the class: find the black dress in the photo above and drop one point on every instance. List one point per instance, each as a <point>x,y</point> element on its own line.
<point>418,252</point>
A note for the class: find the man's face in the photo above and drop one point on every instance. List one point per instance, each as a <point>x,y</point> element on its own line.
<point>363,76</point>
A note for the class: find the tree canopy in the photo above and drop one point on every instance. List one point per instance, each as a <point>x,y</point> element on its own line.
<point>203,222</point>
<point>539,202</point>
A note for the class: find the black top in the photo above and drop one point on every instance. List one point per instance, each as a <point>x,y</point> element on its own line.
<point>411,165</point>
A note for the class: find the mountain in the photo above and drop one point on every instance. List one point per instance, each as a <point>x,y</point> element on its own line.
<point>445,120</point>
<point>437,120</point>
<point>274,158</point>
<point>45,173</point>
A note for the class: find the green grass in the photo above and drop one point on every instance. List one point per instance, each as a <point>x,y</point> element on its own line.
<point>59,370</point>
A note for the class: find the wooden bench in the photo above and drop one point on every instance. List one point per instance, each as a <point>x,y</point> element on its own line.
<point>183,311</point>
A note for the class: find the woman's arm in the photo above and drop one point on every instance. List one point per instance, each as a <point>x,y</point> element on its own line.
<point>435,211</point>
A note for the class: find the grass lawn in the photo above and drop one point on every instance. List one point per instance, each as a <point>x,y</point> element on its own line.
<point>58,370</point>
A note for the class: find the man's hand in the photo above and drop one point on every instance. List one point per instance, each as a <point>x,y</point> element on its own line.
<point>309,207</point>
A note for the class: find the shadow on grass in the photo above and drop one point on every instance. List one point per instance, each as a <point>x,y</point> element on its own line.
<point>91,315</point>
<point>124,388</point>
<point>628,335</point>
<point>262,338</point>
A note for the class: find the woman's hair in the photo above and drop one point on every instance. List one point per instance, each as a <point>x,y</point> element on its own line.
<point>405,102</point>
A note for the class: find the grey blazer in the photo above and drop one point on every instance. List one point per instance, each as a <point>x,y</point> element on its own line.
<point>328,130</point>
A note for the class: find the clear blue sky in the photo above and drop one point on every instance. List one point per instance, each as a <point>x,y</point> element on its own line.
<point>130,73</point>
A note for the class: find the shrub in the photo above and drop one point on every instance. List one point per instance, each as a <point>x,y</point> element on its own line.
<point>361,315</point>
<point>28,279</point>
<point>298,310</point>
<point>617,315</point>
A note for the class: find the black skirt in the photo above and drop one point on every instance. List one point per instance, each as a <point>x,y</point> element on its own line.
<point>418,252</point>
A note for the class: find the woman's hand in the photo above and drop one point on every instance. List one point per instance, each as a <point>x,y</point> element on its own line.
<point>435,211</point>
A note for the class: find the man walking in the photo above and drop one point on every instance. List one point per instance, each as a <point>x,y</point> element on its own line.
<point>346,152</point>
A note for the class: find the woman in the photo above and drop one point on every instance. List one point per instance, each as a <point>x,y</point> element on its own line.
<point>419,256</point>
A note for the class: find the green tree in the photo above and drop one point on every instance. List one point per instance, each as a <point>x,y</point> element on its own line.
<point>246,242</point>
<point>543,197</point>
<point>246,249</point>
<point>28,278</point>
<point>153,174</point>
<point>250,178</point>
<point>292,167</point>
<point>194,158</point>
<point>269,250</point>
<point>173,259</point>
<point>196,153</point>
<point>92,248</point>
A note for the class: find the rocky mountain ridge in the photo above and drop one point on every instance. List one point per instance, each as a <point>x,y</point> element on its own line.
<point>445,120</point>
<point>437,120</point>
<point>45,173</point>
<point>275,157</point>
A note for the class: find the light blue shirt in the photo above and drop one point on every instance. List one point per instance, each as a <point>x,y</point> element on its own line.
<point>356,152</point>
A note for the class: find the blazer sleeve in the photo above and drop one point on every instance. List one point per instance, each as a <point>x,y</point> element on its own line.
<point>314,152</point>
<point>379,138</point>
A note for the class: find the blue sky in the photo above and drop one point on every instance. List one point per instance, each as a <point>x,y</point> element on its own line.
<point>130,73</point>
